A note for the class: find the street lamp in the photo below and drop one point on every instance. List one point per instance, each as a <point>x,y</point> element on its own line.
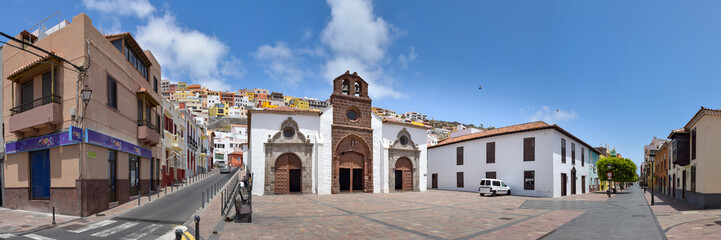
<point>86,92</point>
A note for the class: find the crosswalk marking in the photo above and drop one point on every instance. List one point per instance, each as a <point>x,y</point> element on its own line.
<point>170,235</point>
<point>142,232</point>
<point>94,226</point>
<point>6,235</point>
<point>37,237</point>
<point>114,230</point>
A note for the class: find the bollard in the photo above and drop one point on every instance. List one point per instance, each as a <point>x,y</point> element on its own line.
<point>178,234</point>
<point>53,215</point>
<point>139,195</point>
<point>166,189</point>
<point>202,200</point>
<point>651,197</point>
<point>207,192</point>
<point>158,193</point>
<point>149,194</point>
<point>197,227</point>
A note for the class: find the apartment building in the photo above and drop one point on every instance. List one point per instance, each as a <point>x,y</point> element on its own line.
<point>84,165</point>
<point>173,162</point>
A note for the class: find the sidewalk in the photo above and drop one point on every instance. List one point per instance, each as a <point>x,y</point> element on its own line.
<point>680,220</point>
<point>210,218</point>
<point>21,221</point>
<point>626,216</point>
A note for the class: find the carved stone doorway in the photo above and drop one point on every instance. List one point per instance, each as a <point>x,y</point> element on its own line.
<point>350,171</point>
<point>404,175</point>
<point>287,174</point>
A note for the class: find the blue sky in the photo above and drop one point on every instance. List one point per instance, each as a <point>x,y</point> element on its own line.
<point>615,72</point>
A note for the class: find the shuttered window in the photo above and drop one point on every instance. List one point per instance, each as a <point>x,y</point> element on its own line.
<point>491,152</point>
<point>491,175</point>
<point>563,150</point>
<point>583,157</point>
<point>693,144</point>
<point>112,93</point>
<point>459,179</point>
<point>573,153</point>
<point>529,149</point>
<point>459,156</point>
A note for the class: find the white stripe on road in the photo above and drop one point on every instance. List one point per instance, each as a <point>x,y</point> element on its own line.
<point>114,230</point>
<point>37,237</point>
<point>145,231</point>
<point>7,235</point>
<point>93,226</point>
<point>170,235</point>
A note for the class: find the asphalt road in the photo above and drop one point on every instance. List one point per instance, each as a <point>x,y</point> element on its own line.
<point>155,220</point>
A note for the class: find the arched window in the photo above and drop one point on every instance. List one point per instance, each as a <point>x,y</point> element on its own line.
<point>345,86</point>
<point>357,90</point>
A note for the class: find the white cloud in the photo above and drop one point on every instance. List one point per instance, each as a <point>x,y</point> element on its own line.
<point>553,116</point>
<point>404,60</point>
<point>188,53</point>
<point>358,41</point>
<point>184,54</point>
<point>139,8</point>
<point>281,63</point>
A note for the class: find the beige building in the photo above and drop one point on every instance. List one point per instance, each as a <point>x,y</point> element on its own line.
<point>695,155</point>
<point>80,165</point>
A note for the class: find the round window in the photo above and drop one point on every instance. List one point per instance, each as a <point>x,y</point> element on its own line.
<point>404,140</point>
<point>352,115</point>
<point>288,132</point>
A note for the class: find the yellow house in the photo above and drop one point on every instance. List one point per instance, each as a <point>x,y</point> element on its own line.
<point>181,94</point>
<point>299,104</point>
<point>182,85</point>
<point>219,109</point>
<point>267,104</point>
<point>251,96</point>
<point>287,99</point>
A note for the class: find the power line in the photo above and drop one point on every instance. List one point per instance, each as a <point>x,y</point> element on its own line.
<point>43,50</point>
<point>8,44</point>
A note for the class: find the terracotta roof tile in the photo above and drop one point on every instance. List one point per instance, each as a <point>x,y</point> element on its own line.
<point>498,131</point>
<point>531,126</point>
<point>29,65</point>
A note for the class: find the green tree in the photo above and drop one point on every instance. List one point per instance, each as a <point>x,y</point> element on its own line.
<point>622,169</point>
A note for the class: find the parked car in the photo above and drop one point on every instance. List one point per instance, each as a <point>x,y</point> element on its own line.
<point>493,187</point>
<point>224,169</point>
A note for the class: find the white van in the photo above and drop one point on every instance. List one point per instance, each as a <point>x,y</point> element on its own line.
<point>493,187</point>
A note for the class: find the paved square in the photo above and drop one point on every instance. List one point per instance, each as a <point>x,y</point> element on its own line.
<point>435,214</point>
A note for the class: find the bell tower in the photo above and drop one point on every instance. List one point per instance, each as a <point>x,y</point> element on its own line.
<point>352,135</point>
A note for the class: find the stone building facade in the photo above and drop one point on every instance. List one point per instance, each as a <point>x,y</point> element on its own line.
<point>344,147</point>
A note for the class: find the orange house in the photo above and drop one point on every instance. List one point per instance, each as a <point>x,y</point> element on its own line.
<point>236,159</point>
<point>660,172</point>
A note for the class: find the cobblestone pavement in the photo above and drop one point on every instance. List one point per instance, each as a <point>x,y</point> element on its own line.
<point>435,214</point>
<point>682,221</point>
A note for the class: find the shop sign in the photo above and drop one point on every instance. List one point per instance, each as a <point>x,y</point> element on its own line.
<point>103,140</point>
<point>72,136</point>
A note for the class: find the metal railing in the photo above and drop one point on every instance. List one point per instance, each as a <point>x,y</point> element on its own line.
<point>228,194</point>
<point>148,124</point>
<point>52,98</point>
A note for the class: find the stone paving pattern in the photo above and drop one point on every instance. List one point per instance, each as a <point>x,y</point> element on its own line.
<point>682,221</point>
<point>435,214</point>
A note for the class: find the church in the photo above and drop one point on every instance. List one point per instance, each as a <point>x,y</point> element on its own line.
<point>342,148</point>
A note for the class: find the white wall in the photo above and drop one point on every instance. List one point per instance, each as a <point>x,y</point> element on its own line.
<point>267,124</point>
<point>560,167</point>
<point>509,165</point>
<point>419,136</point>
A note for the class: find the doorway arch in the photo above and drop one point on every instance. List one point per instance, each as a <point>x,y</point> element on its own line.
<point>404,175</point>
<point>352,166</point>
<point>288,174</point>
<point>573,181</point>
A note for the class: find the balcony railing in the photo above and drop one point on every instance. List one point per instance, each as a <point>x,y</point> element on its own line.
<point>52,98</point>
<point>148,124</point>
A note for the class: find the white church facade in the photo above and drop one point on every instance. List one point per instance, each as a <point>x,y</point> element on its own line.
<point>344,147</point>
